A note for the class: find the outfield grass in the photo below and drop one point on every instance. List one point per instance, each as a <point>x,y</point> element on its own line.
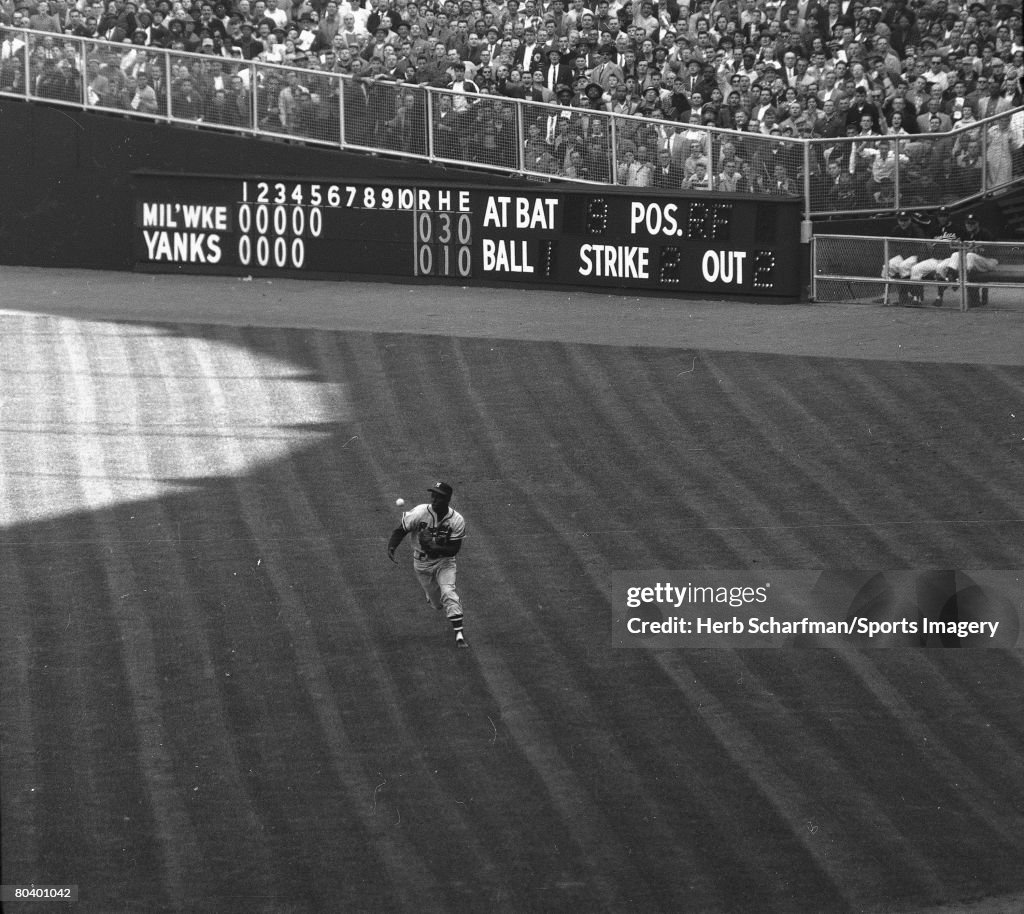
<point>218,694</point>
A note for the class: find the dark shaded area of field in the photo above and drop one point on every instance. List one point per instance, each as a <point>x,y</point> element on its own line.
<point>219,695</point>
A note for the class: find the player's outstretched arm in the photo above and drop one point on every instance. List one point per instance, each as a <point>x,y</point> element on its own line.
<point>397,535</point>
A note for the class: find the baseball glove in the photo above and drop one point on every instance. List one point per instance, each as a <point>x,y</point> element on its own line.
<point>427,542</point>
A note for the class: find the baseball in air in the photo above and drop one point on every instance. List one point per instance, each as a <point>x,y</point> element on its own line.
<point>399,502</point>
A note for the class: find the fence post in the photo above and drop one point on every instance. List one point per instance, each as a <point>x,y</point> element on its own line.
<point>896,202</point>
<point>984,158</point>
<point>341,110</point>
<point>168,86</point>
<point>814,268</point>
<point>521,133</point>
<point>84,69</point>
<point>28,68</point>
<point>430,99</point>
<point>885,270</point>
<point>963,275</point>
<point>614,176</point>
<point>807,180</point>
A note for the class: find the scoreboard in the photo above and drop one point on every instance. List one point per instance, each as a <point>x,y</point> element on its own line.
<point>604,238</point>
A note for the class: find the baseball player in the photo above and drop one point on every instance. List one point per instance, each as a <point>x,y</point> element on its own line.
<point>904,256</point>
<point>439,531</point>
<point>932,267</point>
<point>944,231</point>
<point>975,259</point>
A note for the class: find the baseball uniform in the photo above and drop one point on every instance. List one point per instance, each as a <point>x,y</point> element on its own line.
<point>436,527</point>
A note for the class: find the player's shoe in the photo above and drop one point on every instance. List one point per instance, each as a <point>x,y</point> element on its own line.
<point>460,640</point>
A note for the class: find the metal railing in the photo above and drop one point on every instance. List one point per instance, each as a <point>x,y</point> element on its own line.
<point>917,272</point>
<point>537,139</point>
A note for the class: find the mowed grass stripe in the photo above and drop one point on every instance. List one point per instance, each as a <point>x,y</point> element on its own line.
<point>596,885</point>
<point>888,770</point>
<point>985,413</point>
<point>83,800</point>
<point>154,446</point>
<point>606,452</point>
<point>985,738</point>
<point>274,683</point>
<point>647,806</point>
<point>796,462</point>
<point>811,403</point>
<point>264,697</point>
<point>730,493</point>
<point>536,838</point>
<point>409,879</point>
<point>572,790</point>
<point>975,419</point>
<point>708,823</point>
<point>849,817</point>
<point>18,713</point>
<point>175,835</point>
<point>18,716</point>
<point>1002,679</point>
<point>940,765</point>
<point>769,758</point>
<point>690,432</point>
<point>321,480</point>
<point>981,499</point>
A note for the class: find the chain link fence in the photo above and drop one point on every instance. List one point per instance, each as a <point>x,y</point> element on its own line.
<point>873,173</point>
<point>372,111</point>
<point>917,272</point>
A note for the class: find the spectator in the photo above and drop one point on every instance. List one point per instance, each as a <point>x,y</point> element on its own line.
<point>634,173</point>
<point>765,70</point>
<point>700,179</point>
<point>187,104</point>
<point>666,173</point>
<point>884,161</point>
<point>145,100</point>
<point>42,20</point>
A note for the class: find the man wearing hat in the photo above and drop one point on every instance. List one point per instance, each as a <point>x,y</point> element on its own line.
<point>605,67</point>
<point>903,257</point>
<point>594,97</point>
<point>557,73</point>
<point>440,530</point>
<point>973,235</point>
<point>250,46</point>
<point>564,95</point>
<point>943,230</point>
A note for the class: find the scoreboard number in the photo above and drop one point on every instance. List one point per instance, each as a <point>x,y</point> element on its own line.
<point>553,236</point>
<point>443,244</point>
<point>275,235</point>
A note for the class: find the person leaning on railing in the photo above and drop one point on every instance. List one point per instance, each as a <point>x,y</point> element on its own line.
<point>904,254</point>
<point>974,259</point>
<point>902,61</point>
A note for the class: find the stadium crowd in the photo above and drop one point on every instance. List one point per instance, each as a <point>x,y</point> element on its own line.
<point>871,80</point>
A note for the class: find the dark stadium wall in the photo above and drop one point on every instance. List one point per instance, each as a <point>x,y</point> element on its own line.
<point>66,177</point>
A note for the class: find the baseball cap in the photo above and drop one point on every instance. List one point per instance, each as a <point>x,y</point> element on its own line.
<point>903,214</point>
<point>970,217</point>
<point>441,488</point>
<point>943,210</point>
